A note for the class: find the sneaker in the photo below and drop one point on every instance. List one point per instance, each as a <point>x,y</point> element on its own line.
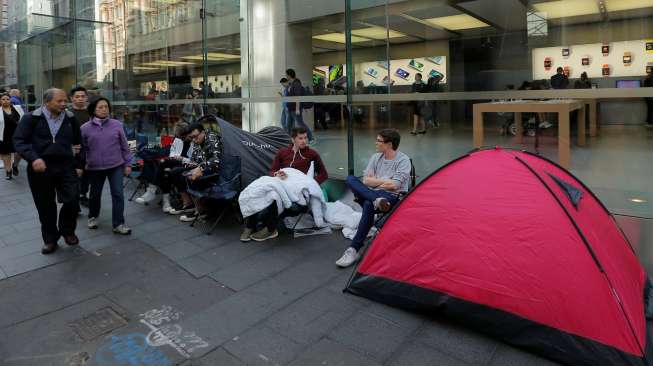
<point>381,204</point>
<point>167,207</point>
<point>349,257</point>
<point>14,169</point>
<point>183,210</point>
<point>92,223</point>
<point>190,217</point>
<point>122,229</point>
<point>8,177</point>
<point>545,124</point>
<point>245,236</point>
<point>264,234</point>
<point>148,196</point>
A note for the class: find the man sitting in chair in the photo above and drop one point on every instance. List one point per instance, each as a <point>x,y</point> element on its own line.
<point>205,161</point>
<point>386,177</point>
<point>298,156</point>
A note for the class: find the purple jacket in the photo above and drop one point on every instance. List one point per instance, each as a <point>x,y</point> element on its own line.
<point>105,144</point>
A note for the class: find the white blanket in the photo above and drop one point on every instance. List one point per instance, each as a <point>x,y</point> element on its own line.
<point>296,188</point>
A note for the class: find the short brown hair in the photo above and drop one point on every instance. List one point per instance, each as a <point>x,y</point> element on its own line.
<point>298,131</point>
<point>391,135</point>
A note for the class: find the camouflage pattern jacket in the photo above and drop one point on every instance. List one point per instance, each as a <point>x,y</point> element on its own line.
<point>208,155</point>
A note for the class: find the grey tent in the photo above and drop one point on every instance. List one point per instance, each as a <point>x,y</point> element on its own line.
<point>256,150</point>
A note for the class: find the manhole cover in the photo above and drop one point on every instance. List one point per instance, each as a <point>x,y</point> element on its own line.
<point>98,323</point>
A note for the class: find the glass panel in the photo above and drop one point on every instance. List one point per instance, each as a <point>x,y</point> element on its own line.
<point>488,54</point>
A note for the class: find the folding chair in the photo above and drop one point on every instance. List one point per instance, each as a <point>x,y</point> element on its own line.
<point>383,216</point>
<point>225,190</point>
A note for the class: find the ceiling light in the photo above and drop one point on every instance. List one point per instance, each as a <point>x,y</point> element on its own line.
<point>457,22</point>
<point>145,68</point>
<point>377,33</point>
<point>619,5</point>
<point>223,55</point>
<point>201,58</point>
<point>568,8</point>
<point>167,63</point>
<point>637,200</point>
<point>339,38</point>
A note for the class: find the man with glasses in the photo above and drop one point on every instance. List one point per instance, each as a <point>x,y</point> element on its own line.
<point>386,177</point>
<point>205,160</point>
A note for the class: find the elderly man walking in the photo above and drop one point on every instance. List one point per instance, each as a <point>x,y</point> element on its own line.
<point>49,139</point>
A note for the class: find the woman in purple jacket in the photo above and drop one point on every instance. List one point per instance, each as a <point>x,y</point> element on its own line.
<point>107,157</point>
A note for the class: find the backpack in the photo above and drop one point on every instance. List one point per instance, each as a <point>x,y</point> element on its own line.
<point>307,92</point>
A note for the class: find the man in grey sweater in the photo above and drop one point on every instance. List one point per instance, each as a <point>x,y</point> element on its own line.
<point>386,177</point>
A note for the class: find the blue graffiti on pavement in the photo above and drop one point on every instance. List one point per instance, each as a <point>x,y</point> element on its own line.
<point>130,350</point>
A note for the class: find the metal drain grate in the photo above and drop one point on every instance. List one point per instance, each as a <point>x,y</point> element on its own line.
<point>98,323</point>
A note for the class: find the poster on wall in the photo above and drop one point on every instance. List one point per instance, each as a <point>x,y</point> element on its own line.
<point>318,75</point>
<point>628,59</point>
<point>649,46</point>
<point>605,70</point>
<point>585,61</point>
<point>649,67</point>
<point>400,72</point>
<point>548,62</point>
<point>605,49</point>
<point>566,52</point>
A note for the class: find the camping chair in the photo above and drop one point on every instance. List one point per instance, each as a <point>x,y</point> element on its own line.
<point>383,216</point>
<point>225,190</point>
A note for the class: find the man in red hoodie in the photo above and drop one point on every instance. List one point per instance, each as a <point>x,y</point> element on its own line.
<point>298,156</point>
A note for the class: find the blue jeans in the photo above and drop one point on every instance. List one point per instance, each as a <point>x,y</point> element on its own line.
<point>285,121</point>
<point>96,179</point>
<point>365,197</point>
<point>296,120</point>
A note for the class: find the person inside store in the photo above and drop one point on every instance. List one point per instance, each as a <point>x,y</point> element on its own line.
<point>385,179</point>
<point>584,82</point>
<point>648,83</point>
<point>50,140</point>
<point>418,120</point>
<point>559,80</point>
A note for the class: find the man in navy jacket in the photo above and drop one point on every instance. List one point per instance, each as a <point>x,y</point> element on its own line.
<point>49,139</point>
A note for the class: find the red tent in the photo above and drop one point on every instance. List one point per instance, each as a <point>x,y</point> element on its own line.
<point>514,245</point>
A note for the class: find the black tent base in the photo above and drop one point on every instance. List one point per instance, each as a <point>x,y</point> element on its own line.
<point>540,339</point>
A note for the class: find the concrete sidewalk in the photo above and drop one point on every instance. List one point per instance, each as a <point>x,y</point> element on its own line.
<point>171,295</point>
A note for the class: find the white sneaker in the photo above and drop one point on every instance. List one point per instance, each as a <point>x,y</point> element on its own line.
<point>149,196</point>
<point>92,223</point>
<point>349,257</point>
<point>183,210</point>
<point>122,229</point>
<point>191,217</point>
<point>166,203</point>
<point>545,124</point>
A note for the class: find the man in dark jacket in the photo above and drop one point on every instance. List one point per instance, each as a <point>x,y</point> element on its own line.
<point>49,139</point>
<point>559,80</point>
<point>79,99</point>
<point>648,83</point>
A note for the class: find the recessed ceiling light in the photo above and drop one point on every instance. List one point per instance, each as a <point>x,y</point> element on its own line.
<point>567,8</point>
<point>457,22</point>
<point>339,38</point>
<point>377,33</point>
<point>637,200</point>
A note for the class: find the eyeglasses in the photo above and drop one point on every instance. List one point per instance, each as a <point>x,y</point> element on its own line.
<point>381,141</point>
<point>194,136</point>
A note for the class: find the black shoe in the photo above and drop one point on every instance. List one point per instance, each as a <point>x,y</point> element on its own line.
<point>8,177</point>
<point>14,169</point>
<point>49,248</point>
<point>71,239</point>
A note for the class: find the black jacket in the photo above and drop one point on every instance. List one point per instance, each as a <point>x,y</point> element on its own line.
<point>33,139</point>
<point>559,81</point>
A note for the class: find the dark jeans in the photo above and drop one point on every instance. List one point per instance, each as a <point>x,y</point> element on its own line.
<point>365,197</point>
<point>164,173</point>
<point>57,183</point>
<point>182,183</point>
<point>296,120</point>
<point>270,217</point>
<point>83,184</point>
<point>649,114</point>
<point>115,177</point>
